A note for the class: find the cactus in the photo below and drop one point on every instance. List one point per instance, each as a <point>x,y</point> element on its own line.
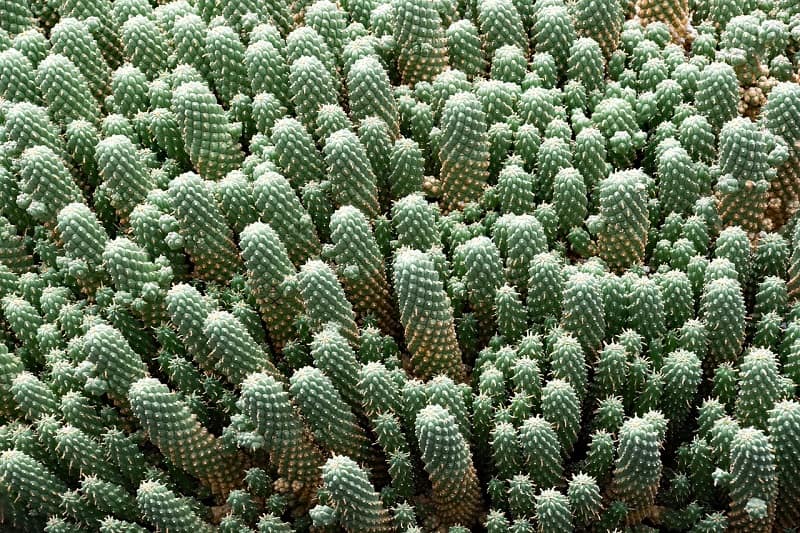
<point>421,39</point>
<point>583,312</point>
<point>722,307</point>
<point>352,179</point>
<point>553,511</point>
<point>464,150</point>
<point>161,508</point>
<point>432,341</point>
<point>265,402</point>
<point>346,483</point>
<point>236,353</point>
<point>638,465</point>
<point>65,90</point>
<point>123,173</point>
<point>26,479</point>
<point>325,300</point>
<point>753,480</point>
<point>269,268</point>
<point>331,419</point>
<point>622,237</point>
<point>212,148</point>
<point>541,451</point>
<point>206,237</point>
<point>114,361</point>
<point>553,241</point>
<point>174,429</point>
<point>449,465</point>
<point>45,185</point>
<point>759,387</point>
<point>783,438</point>
<point>359,262</point>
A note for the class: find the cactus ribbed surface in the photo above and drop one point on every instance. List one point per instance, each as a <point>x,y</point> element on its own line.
<point>269,268</point>
<point>360,264</point>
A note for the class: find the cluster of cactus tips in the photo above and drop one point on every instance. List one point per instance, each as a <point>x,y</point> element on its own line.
<point>399,266</point>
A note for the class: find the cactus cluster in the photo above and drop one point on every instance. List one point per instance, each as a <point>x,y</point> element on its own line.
<point>393,266</point>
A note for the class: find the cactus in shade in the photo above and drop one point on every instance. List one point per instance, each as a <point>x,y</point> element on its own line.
<point>449,465</point>
<point>355,503</point>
